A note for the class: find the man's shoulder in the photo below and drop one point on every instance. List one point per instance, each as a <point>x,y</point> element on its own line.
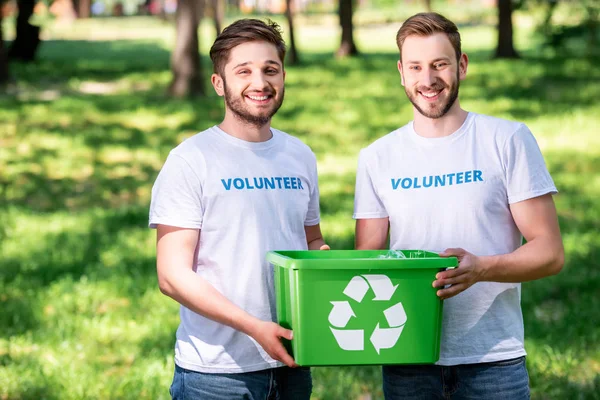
<point>292,141</point>
<point>498,126</point>
<point>386,142</point>
<point>194,144</point>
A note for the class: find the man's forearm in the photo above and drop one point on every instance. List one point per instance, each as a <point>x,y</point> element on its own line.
<point>536,259</point>
<point>195,293</point>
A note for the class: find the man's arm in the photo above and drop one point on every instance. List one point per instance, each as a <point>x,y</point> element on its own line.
<point>542,255</point>
<point>314,238</point>
<point>175,252</point>
<point>372,233</point>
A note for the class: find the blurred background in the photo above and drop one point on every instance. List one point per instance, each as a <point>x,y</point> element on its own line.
<point>94,94</point>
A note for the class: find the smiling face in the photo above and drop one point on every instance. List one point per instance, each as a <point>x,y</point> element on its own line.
<point>431,74</point>
<point>252,83</point>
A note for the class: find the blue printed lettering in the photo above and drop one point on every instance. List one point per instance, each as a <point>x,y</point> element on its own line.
<point>450,176</point>
<point>248,185</point>
<point>294,183</point>
<point>450,179</point>
<point>226,184</point>
<point>440,180</point>
<point>269,183</point>
<point>300,184</point>
<point>468,176</point>
<point>259,184</point>
<point>278,179</point>
<point>286,182</point>
<point>238,183</point>
<point>427,184</point>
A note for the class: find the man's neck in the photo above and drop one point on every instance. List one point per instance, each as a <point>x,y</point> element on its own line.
<point>234,126</point>
<point>439,127</point>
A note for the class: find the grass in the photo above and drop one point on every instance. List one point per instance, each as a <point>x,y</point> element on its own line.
<point>85,130</point>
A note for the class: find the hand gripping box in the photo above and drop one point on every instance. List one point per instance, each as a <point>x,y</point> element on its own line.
<point>360,307</point>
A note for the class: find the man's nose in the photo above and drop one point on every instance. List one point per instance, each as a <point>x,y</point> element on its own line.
<point>428,77</point>
<point>259,81</point>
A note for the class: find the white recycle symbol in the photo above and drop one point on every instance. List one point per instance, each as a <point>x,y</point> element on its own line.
<point>382,338</point>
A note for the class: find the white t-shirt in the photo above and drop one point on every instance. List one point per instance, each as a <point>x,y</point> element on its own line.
<point>247,199</point>
<point>455,191</point>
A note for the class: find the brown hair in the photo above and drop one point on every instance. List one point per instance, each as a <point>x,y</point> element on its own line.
<point>427,24</point>
<point>243,31</point>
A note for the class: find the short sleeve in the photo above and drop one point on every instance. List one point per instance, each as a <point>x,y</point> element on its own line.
<point>367,203</point>
<point>313,216</point>
<point>526,173</point>
<point>177,196</point>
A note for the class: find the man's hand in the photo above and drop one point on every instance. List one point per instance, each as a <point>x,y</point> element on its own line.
<point>468,272</point>
<point>268,335</point>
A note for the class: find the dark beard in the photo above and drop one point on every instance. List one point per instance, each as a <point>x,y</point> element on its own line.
<point>451,100</point>
<point>236,105</point>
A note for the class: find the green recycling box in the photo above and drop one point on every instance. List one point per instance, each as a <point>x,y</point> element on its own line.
<point>359,307</point>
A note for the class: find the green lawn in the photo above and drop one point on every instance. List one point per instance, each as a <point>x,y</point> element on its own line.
<point>86,129</point>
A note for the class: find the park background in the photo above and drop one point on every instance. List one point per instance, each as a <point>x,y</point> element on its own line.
<point>89,114</point>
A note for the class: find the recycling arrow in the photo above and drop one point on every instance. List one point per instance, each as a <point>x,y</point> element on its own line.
<point>356,288</point>
<point>340,314</point>
<point>385,338</point>
<point>382,286</point>
<point>395,315</point>
<point>349,339</point>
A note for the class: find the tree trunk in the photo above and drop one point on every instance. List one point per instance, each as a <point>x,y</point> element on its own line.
<point>28,36</point>
<point>83,8</point>
<point>347,47</point>
<point>3,57</point>
<point>292,55</point>
<point>218,9</point>
<point>185,60</point>
<point>428,5</point>
<point>505,47</point>
<point>592,25</point>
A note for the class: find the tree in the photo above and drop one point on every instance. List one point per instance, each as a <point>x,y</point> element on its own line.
<point>83,8</point>
<point>185,60</point>
<point>218,13</point>
<point>428,5</point>
<point>505,48</point>
<point>27,38</point>
<point>347,46</point>
<point>292,56</point>
<point>3,56</point>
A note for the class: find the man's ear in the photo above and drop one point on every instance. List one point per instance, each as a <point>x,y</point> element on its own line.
<point>218,84</point>
<point>463,63</point>
<point>400,71</point>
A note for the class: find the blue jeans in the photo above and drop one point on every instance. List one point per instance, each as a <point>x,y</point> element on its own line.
<point>270,384</point>
<point>502,380</point>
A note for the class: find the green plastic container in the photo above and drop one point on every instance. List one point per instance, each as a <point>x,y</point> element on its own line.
<point>353,307</point>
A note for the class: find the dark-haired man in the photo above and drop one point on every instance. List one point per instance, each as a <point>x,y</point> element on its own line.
<point>223,198</point>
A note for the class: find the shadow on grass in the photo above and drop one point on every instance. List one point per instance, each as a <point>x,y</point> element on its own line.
<point>62,60</point>
<point>72,254</point>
